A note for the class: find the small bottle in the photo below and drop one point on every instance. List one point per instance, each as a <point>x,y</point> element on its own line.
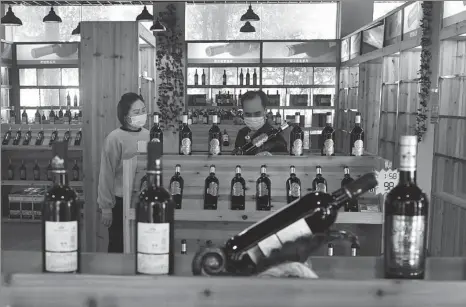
<point>211,190</point>
<point>185,137</point>
<point>263,191</point>
<point>248,77</point>
<point>354,250</point>
<point>238,188</point>
<point>184,249</point>
<point>67,136</point>
<point>176,187</point>
<point>293,186</point>
<point>53,137</point>
<point>27,137</point>
<point>24,117</point>
<point>75,171</point>
<point>17,138</point>
<point>224,77</point>
<point>36,171</point>
<point>75,100</point>
<point>68,99</point>
<point>296,138</point>
<point>49,171</point>
<point>79,136</point>
<point>215,138</point>
<point>203,77</point>
<point>225,138</point>
<point>278,118</point>
<point>196,78</point>
<point>330,250</point>
<point>319,184</point>
<point>22,171</point>
<point>241,77</point>
<point>156,132</point>
<point>357,137</point>
<point>7,137</point>
<point>37,117</point>
<point>40,138</point>
<point>254,78</point>
<point>352,204</point>
<point>327,137</point>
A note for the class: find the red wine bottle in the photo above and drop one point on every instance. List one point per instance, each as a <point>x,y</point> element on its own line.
<point>327,138</point>
<point>196,78</point>
<point>406,217</point>
<point>241,77</point>
<point>17,138</point>
<point>238,191</point>
<point>203,77</point>
<point>263,191</point>
<point>79,136</point>
<point>248,77</point>
<point>314,213</point>
<point>215,137</point>
<point>36,171</point>
<point>261,139</point>
<point>185,137</point>
<point>293,186</point>
<point>7,137</point>
<point>357,137</point>
<point>224,77</point>
<point>211,190</point>
<point>296,138</point>
<point>155,216</point>
<point>60,219</point>
<point>176,187</point>
<point>352,204</point>
<point>22,171</point>
<point>53,137</point>
<point>156,133</point>
<point>225,138</point>
<point>75,171</point>
<point>27,137</point>
<point>319,184</point>
<point>254,77</point>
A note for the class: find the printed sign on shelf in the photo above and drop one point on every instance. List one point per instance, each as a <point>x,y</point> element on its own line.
<point>387,180</point>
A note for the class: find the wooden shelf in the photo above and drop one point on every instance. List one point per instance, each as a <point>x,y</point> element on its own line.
<point>330,108</point>
<point>262,86</point>
<point>37,183</point>
<point>25,127</point>
<point>48,87</point>
<point>36,148</point>
<point>19,221</point>
<point>49,107</point>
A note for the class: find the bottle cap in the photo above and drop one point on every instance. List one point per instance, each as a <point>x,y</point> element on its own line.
<point>408,140</point>
<point>361,185</point>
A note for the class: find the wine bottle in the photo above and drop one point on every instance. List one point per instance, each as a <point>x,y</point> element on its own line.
<point>75,100</point>
<point>327,137</point>
<point>60,219</point>
<point>254,78</point>
<point>215,138</point>
<point>17,138</point>
<point>357,137</point>
<point>24,117</point>
<point>352,204</point>
<point>22,171</point>
<point>314,213</point>
<point>43,118</point>
<point>319,184</point>
<point>225,138</point>
<point>11,171</point>
<point>49,171</point>
<point>177,186</point>
<point>330,249</point>
<point>75,171</point>
<point>27,137</point>
<point>68,99</point>
<point>7,137</point>
<point>241,77</point>
<point>224,77</point>
<point>60,113</point>
<point>296,137</point>
<point>205,119</point>
<point>203,77</point>
<point>155,219</point>
<point>79,136</point>
<point>262,138</point>
<point>263,191</point>
<point>40,138</point>
<point>53,137</point>
<point>156,133</point>
<point>293,186</point>
<point>406,218</point>
<point>67,136</point>
<point>196,78</point>
<point>238,190</point>
<point>37,117</point>
<point>185,137</point>
<point>12,115</point>
<point>211,190</point>
<point>184,249</point>
<point>234,49</point>
<point>36,171</point>
<point>248,77</point>
<point>278,118</point>
<point>52,116</point>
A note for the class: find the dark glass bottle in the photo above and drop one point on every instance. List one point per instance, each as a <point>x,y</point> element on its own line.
<point>75,100</point>
<point>17,138</point>
<point>278,118</point>
<point>68,99</point>
<point>263,191</point>
<point>40,138</point>
<point>43,118</point>
<point>203,77</point>
<point>352,204</point>
<point>60,220</point>
<point>156,132</point>
<point>254,78</point>
<point>406,218</point>
<point>7,137</point>
<point>238,190</point>
<point>215,138</point>
<point>24,117</point>
<point>53,137</point>
<point>241,77</point>
<point>225,138</point>
<point>185,137</point>
<point>79,136</point>
<point>259,140</point>
<point>293,186</point>
<point>75,171</point>
<point>36,171</point>
<point>357,137</point>
<point>49,171</point>
<point>313,213</point>
<point>22,171</point>
<point>319,184</point>
<point>177,186</point>
<point>327,138</point>
<point>155,219</point>
<point>27,137</point>
<point>11,171</point>
<point>211,190</point>
<point>60,113</point>
<point>37,117</point>
<point>296,137</point>
<point>196,78</point>
<point>248,77</point>
<point>224,77</point>
<point>67,136</point>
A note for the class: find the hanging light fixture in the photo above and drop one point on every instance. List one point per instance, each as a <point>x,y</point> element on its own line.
<point>52,17</point>
<point>158,27</point>
<point>247,28</point>
<point>250,15</point>
<point>145,15</point>
<point>77,30</point>
<point>10,19</point>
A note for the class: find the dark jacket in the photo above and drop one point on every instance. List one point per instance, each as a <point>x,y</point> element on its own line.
<point>277,144</point>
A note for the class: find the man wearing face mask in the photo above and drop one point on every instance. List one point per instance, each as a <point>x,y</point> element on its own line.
<point>120,144</point>
<point>254,109</point>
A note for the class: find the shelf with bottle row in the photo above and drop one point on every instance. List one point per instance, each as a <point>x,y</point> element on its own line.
<point>267,107</point>
<point>37,183</point>
<point>263,86</point>
<point>50,107</point>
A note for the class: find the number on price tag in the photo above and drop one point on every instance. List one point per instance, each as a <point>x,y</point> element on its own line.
<point>387,180</point>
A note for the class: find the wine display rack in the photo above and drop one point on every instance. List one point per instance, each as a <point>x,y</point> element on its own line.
<point>195,223</point>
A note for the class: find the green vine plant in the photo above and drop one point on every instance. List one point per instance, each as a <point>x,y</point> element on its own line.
<point>170,68</point>
<point>424,71</point>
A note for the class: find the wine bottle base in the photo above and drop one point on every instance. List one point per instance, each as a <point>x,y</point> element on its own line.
<point>404,274</point>
<point>210,208</point>
<point>263,209</point>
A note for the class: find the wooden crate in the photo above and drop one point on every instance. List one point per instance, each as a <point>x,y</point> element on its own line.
<point>194,223</point>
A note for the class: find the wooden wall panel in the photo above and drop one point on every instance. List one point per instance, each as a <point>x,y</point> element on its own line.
<point>108,59</point>
<point>147,82</point>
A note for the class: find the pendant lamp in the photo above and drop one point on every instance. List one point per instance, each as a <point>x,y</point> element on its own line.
<point>10,19</point>
<point>52,17</point>
<point>77,30</point>
<point>145,15</point>
<point>158,26</point>
<point>247,28</point>
<point>250,15</point>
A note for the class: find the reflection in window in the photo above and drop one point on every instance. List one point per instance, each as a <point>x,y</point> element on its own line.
<point>298,75</point>
<point>273,75</point>
<point>288,21</point>
<point>383,7</point>
<point>324,75</point>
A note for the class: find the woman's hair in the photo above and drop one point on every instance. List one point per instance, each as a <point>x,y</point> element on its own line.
<point>125,104</point>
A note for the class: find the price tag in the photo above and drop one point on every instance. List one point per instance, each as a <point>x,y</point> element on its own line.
<point>387,180</point>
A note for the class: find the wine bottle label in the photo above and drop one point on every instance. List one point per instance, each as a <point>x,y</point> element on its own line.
<point>175,188</point>
<point>406,241</point>
<point>225,138</point>
<point>290,233</point>
<point>153,247</point>
<point>260,140</point>
<point>297,148</point>
<point>214,148</point>
<point>328,147</point>
<point>212,189</point>
<point>237,189</point>
<point>358,148</point>
<point>295,190</point>
<point>321,187</point>
<point>61,246</point>
<point>262,189</point>
<point>407,158</point>
<point>155,140</point>
<point>186,146</point>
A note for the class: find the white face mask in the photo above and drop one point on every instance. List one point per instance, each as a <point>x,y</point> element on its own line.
<point>138,121</point>
<point>254,123</point>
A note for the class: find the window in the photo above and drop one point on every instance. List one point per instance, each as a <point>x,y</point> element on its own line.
<point>277,21</point>
<point>34,30</point>
<point>383,7</point>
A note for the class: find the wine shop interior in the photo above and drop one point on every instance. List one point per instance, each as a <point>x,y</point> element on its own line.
<point>321,140</point>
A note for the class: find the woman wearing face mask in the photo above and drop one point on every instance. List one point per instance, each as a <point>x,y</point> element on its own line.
<point>119,145</point>
<point>254,109</point>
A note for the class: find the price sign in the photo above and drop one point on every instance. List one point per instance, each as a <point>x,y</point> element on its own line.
<point>387,180</point>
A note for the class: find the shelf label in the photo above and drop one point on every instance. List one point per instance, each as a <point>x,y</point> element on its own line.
<point>387,180</point>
